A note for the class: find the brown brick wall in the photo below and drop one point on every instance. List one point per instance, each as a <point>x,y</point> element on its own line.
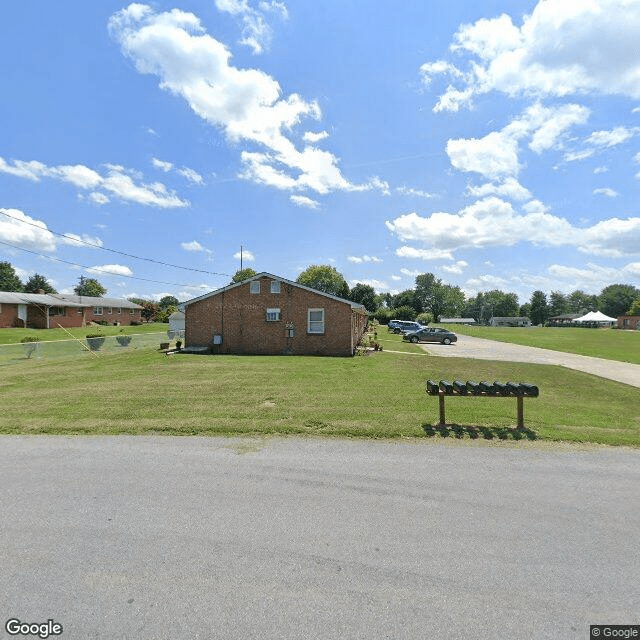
<point>9,316</point>
<point>124,318</point>
<point>240,317</point>
<point>632,322</point>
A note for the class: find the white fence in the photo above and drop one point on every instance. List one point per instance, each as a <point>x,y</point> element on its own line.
<point>80,348</point>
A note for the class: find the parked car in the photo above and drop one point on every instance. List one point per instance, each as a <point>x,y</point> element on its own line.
<point>431,334</point>
<point>402,326</point>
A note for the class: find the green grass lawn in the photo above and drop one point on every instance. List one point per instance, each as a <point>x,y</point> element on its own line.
<point>381,395</point>
<point>13,336</point>
<point>611,344</point>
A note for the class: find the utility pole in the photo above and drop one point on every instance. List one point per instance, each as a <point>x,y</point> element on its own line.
<point>240,257</point>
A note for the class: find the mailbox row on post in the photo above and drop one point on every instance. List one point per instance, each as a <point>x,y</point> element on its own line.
<point>483,388</point>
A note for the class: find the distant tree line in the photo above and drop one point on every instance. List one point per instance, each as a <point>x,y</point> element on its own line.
<point>428,301</point>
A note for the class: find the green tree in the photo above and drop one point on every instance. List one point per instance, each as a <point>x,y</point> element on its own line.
<point>403,313</point>
<point>243,274</point>
<point>324,278</point>
<point>37,282</point>
<point>365,295</point>
<point>558,304</point>
<point>407,298</point>
<point>89,287</point>
<point>580,302</point>
<point>539,308</point>
<point>9,280</point>
<point>164,312</point>
<point>454,300</point>
<point>432,294</point>
<point>634,309</point>
<point>615,299</point>
<point>169,301</point>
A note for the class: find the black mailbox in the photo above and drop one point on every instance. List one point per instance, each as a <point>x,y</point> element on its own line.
<point>515,388</point>
<point>529,390</point>
<point>447,387</point>
<point>473,388</point>
<point>501,388</point>
<point>432,388</point>
<point>488,388</point>
<point>460,387</point>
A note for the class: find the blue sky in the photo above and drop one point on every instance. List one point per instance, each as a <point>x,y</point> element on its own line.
<point>494,144</point>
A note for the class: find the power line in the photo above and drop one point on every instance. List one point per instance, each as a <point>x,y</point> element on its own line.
<point>94,269</point>
<point>122,253</point>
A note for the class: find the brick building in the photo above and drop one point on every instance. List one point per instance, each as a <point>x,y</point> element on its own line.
<point>45,311</point>
<point>269,315</point>
<point>629,322</point>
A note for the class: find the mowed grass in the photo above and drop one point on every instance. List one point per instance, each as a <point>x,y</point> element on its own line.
<point>611,344</point>
<point>381,395</point>
<point>14,335</point>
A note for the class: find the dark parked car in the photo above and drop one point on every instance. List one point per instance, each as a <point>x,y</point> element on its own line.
<point>403,326</point>
<point>431,334</point>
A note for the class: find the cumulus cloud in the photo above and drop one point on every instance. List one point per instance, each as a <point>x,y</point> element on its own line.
<point>194,245</point>
<point>496,155</point>
<point>245,255</point>
<point>508,188</point>
<point>362,259</point>
<point>115,180</point>
<point>17,228</point>
<point>420,254</point>
<point>256,32</point>
<point>162,165</point>
<point>606,191</point>
<point>545,54</point>
<point>247,104</point>
<point>492,222</point>
<point>455,268</point>
<point>378,285</point>
<point>191,175</point>
<point>304,201</point>
<point>418,193</point>
<point>110,270</point>
<point>83,240</point>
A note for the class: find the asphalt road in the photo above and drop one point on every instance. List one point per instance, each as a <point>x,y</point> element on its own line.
<point>163,538</point>
<point>471,347</point>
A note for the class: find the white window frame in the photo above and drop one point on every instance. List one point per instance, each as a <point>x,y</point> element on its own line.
<point>315,326</point>
<point>275,286</point>
<point>119,310</point>
<point>273,314</point>
<point>98,311</point>
<point>254,286</point>
<point>110,312</point>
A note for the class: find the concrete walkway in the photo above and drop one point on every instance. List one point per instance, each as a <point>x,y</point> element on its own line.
<point>469,347</point>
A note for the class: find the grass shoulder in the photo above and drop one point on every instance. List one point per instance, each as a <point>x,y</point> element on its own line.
<point>14,335</point>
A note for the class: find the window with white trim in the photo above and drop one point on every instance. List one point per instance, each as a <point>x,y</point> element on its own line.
<point>132,311</point>
<point>119,310</point>
<point>275,286</point>
<point>110,310</point>
<point>57,311</point>
<point>315,321</point>
<point>98,311</point>
<point>254,286</point>
<point>273,315</point>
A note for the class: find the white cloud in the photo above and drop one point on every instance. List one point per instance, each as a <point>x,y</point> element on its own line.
<point>194,245</point>
<point>545,55</point>
<point>32,235</point>
<point>508,188</point>
<point>361,259</point>
<point>110,270</point>
<point>191,175</point>
<point>599,170</point>
<point>611,138</point>
<point>378,285</point>
<point>492,222</point>
<point>456,268</point>
<point>303,201</point>
<point>118,181</point>
<point>312,137</point>
<point>605,191</point>
<point>245,255</point>
<point>420,254</point>
<point>162,165</point>
<point>496,155</point>
<point>75,240</point>
<point>256,32</point>
<point>409,191</point>
<point>408,273</point>
<point>247,104</point>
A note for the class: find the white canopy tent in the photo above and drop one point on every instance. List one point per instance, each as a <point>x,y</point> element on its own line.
<point>595,316</point>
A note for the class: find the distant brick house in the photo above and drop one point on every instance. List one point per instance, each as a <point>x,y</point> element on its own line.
<point>46,311</point>
<point>269,315</point>
<point>629,322</point>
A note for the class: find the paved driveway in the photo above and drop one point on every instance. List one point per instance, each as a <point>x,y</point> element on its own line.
<point>470,347</point>
<point>156,538</point>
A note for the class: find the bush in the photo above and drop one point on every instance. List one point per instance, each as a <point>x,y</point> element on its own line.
<point>95,340</point>
<point>123,340</point>
<point>30,339</point>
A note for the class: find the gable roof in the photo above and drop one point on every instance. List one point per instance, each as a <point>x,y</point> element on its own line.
<point>264,274</point>
<point>63,300</point>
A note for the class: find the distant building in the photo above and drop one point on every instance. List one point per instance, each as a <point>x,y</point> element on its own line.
<point>45,311</point>
<point>629,322</point>
<point>457,321</point>
<point>509,322</point>
<point>563,320</point>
